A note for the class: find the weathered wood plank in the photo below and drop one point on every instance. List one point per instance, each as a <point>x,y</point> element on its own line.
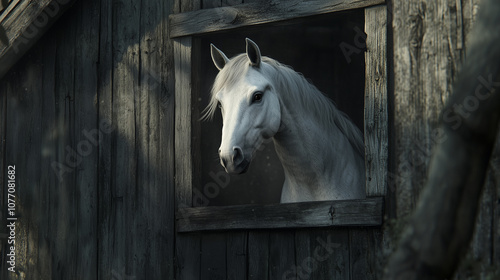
<point>125,52</point>
<point>24,25</point>
<point>224,18</point>
<point>183,159</point>
<point>213,256</point>
<point>332,245</point>
<point>49,179</point>
<point>26,157</point>
<point>365,253</point>
<point>6,5</point>
<point>364,212</point>
<point>64,217</point>
<point>166,144</point>
<point>376,116</point>
<point>281,253</point>
<point>87,136</point>
<point>106,125</point>
<point>237,244</point>
<point>15,118</point>
<point>187,246</point>
<point>303,253</point>
<point>426,60</point>
<point>258,255</point>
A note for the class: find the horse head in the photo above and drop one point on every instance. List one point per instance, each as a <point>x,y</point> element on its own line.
<point>249,105</point>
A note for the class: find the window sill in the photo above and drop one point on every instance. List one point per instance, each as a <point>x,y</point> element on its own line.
<point>359,212</point>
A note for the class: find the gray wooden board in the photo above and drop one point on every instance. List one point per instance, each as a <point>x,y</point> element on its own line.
<point>364,212</point>
<point>213,256</point>
<point>64,217</point>
<point>48,179</point>
<point>376,116</point>
<point>365,251</point>
<point>105,164</point>
<point>281,253</point>
<point>187,246</point>
<point>258,255</point>
<point>24,25</point>
<point>25,158</point>
<point>166,143</point>
<point>224,18</point>
<point>237,244</point>
<point>86,119</point>
<point>125,39</point>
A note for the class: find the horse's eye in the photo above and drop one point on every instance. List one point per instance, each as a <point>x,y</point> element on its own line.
<point>257,97</point>
<point>219,105</point>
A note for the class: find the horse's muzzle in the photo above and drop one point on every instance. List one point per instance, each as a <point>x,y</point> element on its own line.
<point>234,161</point>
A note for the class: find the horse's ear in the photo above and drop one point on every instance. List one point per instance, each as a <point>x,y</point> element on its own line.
<point>218,57</point>
<point>253,53</point>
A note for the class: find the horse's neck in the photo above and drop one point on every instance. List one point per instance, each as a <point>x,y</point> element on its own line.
<point>319,164</point>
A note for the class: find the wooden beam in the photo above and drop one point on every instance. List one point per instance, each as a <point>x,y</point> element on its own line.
<point>24,23</point>
<point>183,159</point>
<point>225,18</point>
<point>376,117</point>
<point>362,212</point>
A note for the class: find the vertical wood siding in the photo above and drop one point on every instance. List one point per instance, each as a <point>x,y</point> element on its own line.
<point>99,84</point>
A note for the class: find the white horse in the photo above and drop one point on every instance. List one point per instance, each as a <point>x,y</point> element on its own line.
<point>321,150</point>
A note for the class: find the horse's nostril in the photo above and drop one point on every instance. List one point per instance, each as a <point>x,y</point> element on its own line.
<point>238,155</point>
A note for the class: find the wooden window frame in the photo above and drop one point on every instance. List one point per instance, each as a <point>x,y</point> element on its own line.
<point>360,212</point>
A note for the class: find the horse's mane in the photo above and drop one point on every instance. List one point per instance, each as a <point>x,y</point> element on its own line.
<point>291,86</point>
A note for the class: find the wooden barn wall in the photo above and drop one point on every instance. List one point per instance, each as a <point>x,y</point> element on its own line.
<point>94,95</point>
<point>106,67</point>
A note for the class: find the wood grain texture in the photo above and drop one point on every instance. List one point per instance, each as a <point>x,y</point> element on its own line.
<point>24,25</point>
<point>183,159</point>
<point>365,212</point>
<point>64,216</point>
<point>376,116</point>
<point>213,256</point>
<point>166,164</point>
<point>281,253</point>
<point>258,255</point>
<point>105,176</point>
<point>426,60</point>
<point>187,247</point>
<point>237,254</point>
<point>224,18</point>
<point>86,119</point>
